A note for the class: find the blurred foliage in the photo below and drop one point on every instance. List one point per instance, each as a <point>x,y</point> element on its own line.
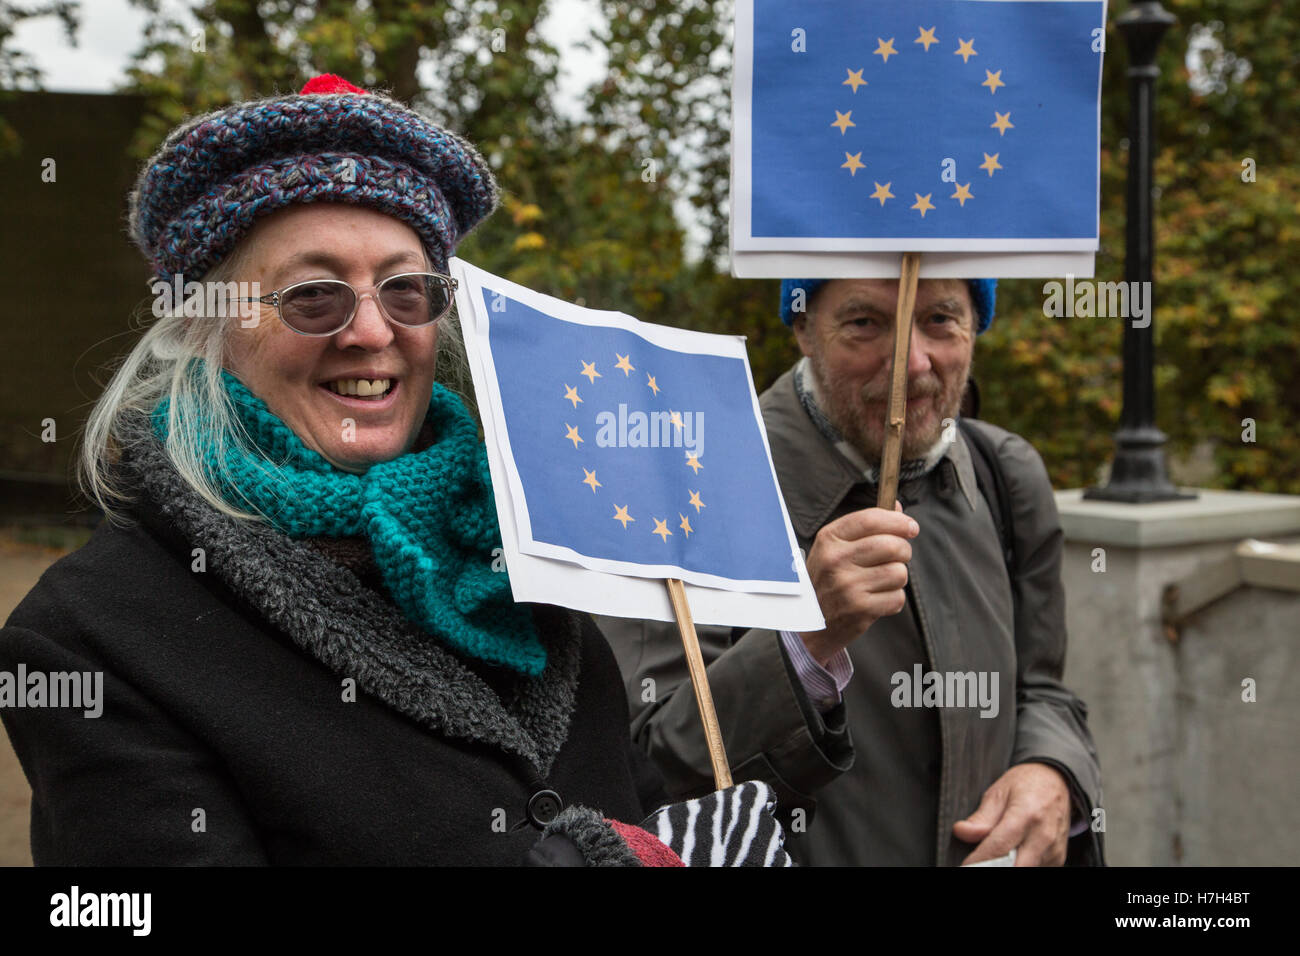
<point>1228,258</point>
<point>17,69</point>
<point>588,202</point>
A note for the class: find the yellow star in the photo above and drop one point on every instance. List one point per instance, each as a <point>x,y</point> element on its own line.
<point>571,394</point>
<point>624,364</point>
<point>686,524</point>
<point>676,419</point>
<point>926,38</point>
<point>885,48</point>
<point>591,480</point>
<point>855,79</point>
<point>653,387</point>
<point>695,500</point>
<point>573,435</point>
<point>693,462</point>
<point>589,370</point>
<point>962,194</point>
<point>922,203</point>
<point>966,50</point>
<point>620,514</point>
<point>994,80</point>
<point>882,193</point>
<point>853,163</point>
<point>843,122</point>
<point>991,163</point>
<point>661,529</point>
<point>1002,123</point>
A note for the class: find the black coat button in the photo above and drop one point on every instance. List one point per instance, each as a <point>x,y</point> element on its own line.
<point>543,807</point>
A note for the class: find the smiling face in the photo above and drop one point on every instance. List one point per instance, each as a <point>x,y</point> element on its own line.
<point>847,335</point>
<point>298,376</point>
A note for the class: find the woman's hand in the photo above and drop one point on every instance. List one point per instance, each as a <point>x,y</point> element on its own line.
<point>746,834</point>
<point>732,827</point>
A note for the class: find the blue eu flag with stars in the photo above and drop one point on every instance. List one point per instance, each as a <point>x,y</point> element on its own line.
<point>633,452</point>
<point>926,119</point>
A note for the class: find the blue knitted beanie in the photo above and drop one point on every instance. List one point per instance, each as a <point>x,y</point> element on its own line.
<point>333,142</point>
<point>983,294</point>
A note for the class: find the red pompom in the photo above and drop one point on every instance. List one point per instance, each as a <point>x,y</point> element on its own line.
<point>329,83</point>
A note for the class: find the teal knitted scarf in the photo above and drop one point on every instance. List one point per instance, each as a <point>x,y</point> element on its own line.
<point>429,517</point>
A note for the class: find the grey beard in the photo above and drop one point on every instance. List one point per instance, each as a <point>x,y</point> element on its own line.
<point>805,388</point>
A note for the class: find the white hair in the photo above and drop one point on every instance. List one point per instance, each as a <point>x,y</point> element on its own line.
<point>180,358</point>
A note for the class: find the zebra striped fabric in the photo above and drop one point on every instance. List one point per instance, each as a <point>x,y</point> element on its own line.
<point>732,827</point>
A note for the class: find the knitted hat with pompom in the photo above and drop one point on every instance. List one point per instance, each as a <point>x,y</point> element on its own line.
<point>216,174</point>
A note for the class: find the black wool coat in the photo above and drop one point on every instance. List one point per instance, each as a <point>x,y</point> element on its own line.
<point>261,705</point>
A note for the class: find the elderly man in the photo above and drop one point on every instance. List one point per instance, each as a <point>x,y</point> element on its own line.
<point>942,656</point>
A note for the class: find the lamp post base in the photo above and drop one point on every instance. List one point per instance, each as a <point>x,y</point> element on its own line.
<point>1138,473</point>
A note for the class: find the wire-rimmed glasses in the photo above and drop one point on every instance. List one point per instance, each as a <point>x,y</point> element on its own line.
<point>319,307</point>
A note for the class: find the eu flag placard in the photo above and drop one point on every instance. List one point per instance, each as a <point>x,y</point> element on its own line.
<point>632,448</point>
<point>926,126</point>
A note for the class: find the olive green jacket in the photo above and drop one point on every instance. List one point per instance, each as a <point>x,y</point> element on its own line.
<point>872,781</point>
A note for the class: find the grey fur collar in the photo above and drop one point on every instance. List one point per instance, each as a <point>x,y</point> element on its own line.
<point>356,632</point>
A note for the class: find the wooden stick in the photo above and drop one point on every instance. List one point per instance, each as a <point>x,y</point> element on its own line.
<point>896,411</point>
<point>700,681</point>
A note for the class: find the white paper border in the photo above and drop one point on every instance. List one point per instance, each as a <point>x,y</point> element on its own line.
<point>869,258</point>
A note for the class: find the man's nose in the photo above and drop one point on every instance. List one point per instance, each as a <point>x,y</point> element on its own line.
<point>368,329</point>
<point>918,357</point>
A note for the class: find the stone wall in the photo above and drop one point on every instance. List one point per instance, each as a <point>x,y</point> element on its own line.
<point>1192,774</point>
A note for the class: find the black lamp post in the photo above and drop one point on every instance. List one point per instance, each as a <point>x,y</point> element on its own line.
<point>1138,471</point>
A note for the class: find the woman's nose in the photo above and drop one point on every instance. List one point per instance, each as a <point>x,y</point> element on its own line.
<point>368,329</point>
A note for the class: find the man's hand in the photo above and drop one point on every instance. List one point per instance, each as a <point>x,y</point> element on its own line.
<point>1027,808</point>
<point>858,567</point>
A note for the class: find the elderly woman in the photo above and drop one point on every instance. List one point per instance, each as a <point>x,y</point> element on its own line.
<point>306,652</point>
